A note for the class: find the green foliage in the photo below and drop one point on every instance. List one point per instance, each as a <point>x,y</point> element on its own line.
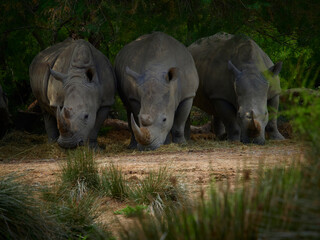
<point>284,31</point>
<point>21,215</point>
<point>114,183</point>
<point>80,171</point>
<point>129,211</point>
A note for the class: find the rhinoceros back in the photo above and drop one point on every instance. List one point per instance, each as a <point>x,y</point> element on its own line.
<point>160,52</point>
<point>49,91</point>
<point>211,56</point>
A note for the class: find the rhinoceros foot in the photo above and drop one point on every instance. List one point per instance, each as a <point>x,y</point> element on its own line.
<point>276,135</point>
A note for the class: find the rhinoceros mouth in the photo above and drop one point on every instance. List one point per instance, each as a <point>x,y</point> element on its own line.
<point>70,142</point>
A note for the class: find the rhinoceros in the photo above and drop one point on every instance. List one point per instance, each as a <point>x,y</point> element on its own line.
<point>238,84</point>
<point>157,81</point>
<point>4,113</point>
<point>75,85</point>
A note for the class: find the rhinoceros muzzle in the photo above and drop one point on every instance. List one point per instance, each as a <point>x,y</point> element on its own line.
<point>72,142</point>
<point>67,138</point>
<point>252,133</point>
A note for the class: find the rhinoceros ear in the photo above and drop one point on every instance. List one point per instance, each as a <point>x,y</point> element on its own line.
<point>232,67</point>
<point>275,69</point>
<point>173,74</point>
<point>57,75</point>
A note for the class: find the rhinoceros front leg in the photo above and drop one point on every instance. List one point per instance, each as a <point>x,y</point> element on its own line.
<point>180,119</point>
<point>225,112</point>
<point>101,116</point>
<point>50,124</point>
<point>272,127</point>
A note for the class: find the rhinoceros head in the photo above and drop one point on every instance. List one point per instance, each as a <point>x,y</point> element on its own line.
<point>251,87</point>
<point>77,116</point>
<point>157,102</point>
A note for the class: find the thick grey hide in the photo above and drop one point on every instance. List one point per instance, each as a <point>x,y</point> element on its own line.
<point>75,84</point>
<point>4,113</point>
<point>238,83</point>
<point>157,81</point>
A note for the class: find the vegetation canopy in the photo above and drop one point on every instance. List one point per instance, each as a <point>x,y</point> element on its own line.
<point>286,31</point>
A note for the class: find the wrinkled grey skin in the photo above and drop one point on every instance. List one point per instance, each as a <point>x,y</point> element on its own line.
<point>238,84</point>
<point>75,87</point>
<point>4,113</point>
<point>157,81</point>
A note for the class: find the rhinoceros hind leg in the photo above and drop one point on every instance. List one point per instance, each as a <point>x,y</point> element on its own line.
<point>225,112</point>
<point>272,127</point>
<point>180,119</point>
<point>50,123</point>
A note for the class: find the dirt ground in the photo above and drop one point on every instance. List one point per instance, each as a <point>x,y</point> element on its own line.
<point>194,164</point>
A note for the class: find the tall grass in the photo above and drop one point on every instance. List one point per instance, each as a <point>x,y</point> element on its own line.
<point>74,200</point>
<point>80,170</point>
<point>245,213</point>
<point>159,190</point>
<point>21,215</point>
<point>114,183</point>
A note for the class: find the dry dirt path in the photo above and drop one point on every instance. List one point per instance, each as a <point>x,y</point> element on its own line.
<point>193,167</point>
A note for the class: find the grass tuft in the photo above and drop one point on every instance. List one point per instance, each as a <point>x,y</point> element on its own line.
<point>80,170</point>
<point>114,183</point>
<point>160,190</point>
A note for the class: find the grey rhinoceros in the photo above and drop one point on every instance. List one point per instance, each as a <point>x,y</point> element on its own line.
<point>238,83</point>
<point>4,113</point>
<point>75,87</point>
<point>157,81</point>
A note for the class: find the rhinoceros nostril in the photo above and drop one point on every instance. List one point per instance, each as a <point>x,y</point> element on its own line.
<point>86,116</point>
<point>145,119</point>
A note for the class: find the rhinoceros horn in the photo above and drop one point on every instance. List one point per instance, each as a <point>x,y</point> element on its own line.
<point>142,134</point>
<point>62,123</point>
<point>254,126</point>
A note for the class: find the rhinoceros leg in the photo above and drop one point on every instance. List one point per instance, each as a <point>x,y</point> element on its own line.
<point>50,123</point>
<point>101,116</point>
<point>272,128</point>
<point>227,114</point>
<point>219,129</point>
<point>180,119</point>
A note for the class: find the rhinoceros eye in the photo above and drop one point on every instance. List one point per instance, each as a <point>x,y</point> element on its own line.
<point>89,75</point>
